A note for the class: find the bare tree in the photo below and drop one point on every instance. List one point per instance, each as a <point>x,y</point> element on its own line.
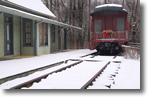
<point>77,13</point>
<point>50,4</point>
<point>134,17</point>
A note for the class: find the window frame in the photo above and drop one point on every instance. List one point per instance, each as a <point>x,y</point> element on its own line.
<point>43,37</point>
<point>124,25</point>
<point>24,32</point>
<point>95,25</point>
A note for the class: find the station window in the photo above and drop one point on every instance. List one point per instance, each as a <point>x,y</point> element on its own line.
<point>120,25</point>
<point>43,34</point>
<point>46,34</point>
<point>28,37</point>
<point>98,25</point>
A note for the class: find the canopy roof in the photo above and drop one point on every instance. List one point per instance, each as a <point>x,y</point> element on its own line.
<point>34,17</point>
<point>33,5</point>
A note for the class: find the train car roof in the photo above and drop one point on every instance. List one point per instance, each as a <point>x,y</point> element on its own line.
<point>109,9</point>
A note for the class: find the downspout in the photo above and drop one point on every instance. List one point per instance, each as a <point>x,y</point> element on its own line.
<point>35,44</point>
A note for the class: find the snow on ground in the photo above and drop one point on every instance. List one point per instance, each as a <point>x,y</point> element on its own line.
<point>129,75</point>
<point>16,66</point>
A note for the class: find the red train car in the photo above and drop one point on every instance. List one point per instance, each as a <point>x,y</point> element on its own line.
<point>109,28</point>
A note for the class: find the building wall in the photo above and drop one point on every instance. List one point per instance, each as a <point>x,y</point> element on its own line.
<point>41,50</point>
<point>1,35</point>
<point>18,47</point>
<point>55,45</point>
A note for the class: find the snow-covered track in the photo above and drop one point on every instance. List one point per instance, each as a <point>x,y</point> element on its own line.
<point>77,73</point>
<point>94,77</point>
<point>91,68</point>
<point>30,82</point>
<point>23,74</point>
<point>71,78</point>
<point>95,53</point>
<point>78,77</point>
<point>108,76</point>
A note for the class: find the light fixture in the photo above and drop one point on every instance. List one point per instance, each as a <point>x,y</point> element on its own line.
<point>0,12</point>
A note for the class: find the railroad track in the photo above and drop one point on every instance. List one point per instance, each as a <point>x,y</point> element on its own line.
<point>93,54</point>
<point>30,82</point>
<point>78,64</point>
<point>72,78</point>
<point>24,74</point>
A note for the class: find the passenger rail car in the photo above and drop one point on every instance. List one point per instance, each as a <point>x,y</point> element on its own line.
<point>109,28</point>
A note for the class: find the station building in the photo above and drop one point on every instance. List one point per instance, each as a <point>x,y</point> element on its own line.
<point>28,28</point>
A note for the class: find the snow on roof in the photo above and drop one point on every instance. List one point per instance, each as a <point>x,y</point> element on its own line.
<point>35,17</point>
<point>108,9</point>
<point>124,9</point>
<point>110,5</point>
<point>35,5</point>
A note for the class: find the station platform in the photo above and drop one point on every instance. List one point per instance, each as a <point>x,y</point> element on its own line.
<point>14,57</point>
<point>21,57</point>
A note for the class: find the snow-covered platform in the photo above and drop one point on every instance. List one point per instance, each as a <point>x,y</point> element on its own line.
<point>16,66</point>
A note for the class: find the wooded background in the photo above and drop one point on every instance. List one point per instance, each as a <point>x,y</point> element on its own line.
<point>77,13</point>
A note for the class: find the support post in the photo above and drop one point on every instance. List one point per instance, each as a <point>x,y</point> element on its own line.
<point>65,39</point>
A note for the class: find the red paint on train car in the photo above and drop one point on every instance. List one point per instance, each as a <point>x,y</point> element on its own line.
<point>109,22</point>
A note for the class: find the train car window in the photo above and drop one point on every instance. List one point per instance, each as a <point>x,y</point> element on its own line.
<point>120,25</point>
<point>98,25</point>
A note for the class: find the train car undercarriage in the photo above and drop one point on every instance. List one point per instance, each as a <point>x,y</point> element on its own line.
<point>109,48</point>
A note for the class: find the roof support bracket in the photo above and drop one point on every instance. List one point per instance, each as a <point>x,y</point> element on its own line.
<point>39,22</point>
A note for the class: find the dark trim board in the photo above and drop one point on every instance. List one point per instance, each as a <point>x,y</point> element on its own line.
<point>35,43</point>
<point>20,35</point>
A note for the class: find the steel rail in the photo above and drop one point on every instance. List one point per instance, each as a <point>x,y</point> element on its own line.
<point>26,73</point>
<point>88,55</point>
<point>30,82</point>
<point>94,77</point>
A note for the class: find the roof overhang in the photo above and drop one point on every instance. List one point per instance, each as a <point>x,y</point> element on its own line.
<point>35,17</point>
<point>26,7</point>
